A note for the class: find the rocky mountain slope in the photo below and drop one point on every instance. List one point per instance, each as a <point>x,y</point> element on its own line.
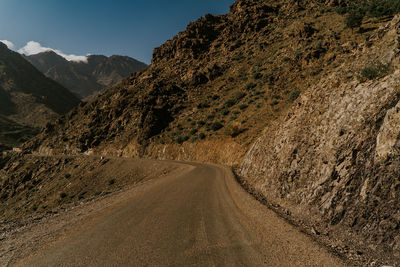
<point>27,98</point>
<point>334,160</point>
<point>217,84</point>
<point>85,78</point>
<point>313,96</point>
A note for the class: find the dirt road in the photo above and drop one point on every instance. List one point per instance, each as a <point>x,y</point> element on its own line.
<point>200,217</point>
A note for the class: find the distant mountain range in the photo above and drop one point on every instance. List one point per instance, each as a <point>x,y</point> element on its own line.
<point>28,99</point>
<point>85,78</point>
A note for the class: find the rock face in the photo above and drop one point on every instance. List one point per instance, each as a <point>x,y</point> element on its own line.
<point>85,78</point>
<point>334,161</point>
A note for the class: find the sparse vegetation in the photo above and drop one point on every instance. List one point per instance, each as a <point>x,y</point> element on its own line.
<point>354,18</point>
<point>274,103</point>
<point>82,195</point>
<point>243,106</point>
<point>294,95</point>
<point>225,112</point>
<point>182,139</point>
<point>357,10</point>
<point>250,86</point>
<point>234,129</point>
<point>216,126</point>
<point>375,70</point>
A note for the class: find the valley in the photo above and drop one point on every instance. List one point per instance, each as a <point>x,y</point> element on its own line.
<point>265,136</point>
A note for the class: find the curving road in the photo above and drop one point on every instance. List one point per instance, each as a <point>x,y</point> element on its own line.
<point>200,217</point>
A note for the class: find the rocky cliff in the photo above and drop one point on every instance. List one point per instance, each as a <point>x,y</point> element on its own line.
<point>334,160</point>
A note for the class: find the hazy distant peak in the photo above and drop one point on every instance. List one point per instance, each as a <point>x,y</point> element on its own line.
<point>85,78</point>
<point>7,43</point>
<point>33,48</point>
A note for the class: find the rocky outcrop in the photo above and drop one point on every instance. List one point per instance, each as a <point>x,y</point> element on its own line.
<point>334,160</point>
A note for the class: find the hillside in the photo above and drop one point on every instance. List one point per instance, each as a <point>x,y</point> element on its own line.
<point>28,99</point>
<point>217,84</point>
<point>305,106</point>
<point>85,78</point>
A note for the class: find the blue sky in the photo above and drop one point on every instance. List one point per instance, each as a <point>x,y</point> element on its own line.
<point>108,27</point>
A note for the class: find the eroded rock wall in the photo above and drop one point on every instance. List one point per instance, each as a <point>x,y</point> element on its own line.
<point>334,161</point>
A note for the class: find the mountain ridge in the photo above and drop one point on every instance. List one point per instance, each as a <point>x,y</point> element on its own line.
<point>85,78</point>
<point>28,99</point>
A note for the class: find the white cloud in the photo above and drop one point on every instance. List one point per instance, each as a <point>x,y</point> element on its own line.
<point>33,48</point>
<point>9,44</point>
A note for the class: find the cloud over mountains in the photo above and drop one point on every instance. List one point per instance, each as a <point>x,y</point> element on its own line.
<point>9,44</point>
<point>33,48</point>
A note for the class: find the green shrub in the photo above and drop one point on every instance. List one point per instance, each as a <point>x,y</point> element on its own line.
<point>201,123</point>
<point>274,103</point>
<point>250,86</point>
<point>298,54</point>
<point>182,139</point>
<point>225,112</point>
<point>234,129</point>
<point>63,195</point>
<point>229,103</point>
<point>379,8</point>
<point>375,70</point>
<point>194,131</point>
<point>276,97</point>
<point>356,10</point>
<point>111,182</point>
<point>216,126</point>
<point>243,106</point>
<point>67,175</point>
<point>257,75</point>
<point>294,95</point>
<point>238,95</point>
<point>203,105</point>
<point>354,18</point>
<point>202,136</point>
<point>82,195</point>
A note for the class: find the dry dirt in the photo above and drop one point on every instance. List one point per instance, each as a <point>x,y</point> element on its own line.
<point>24,234</point>
<point>196,215</point>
